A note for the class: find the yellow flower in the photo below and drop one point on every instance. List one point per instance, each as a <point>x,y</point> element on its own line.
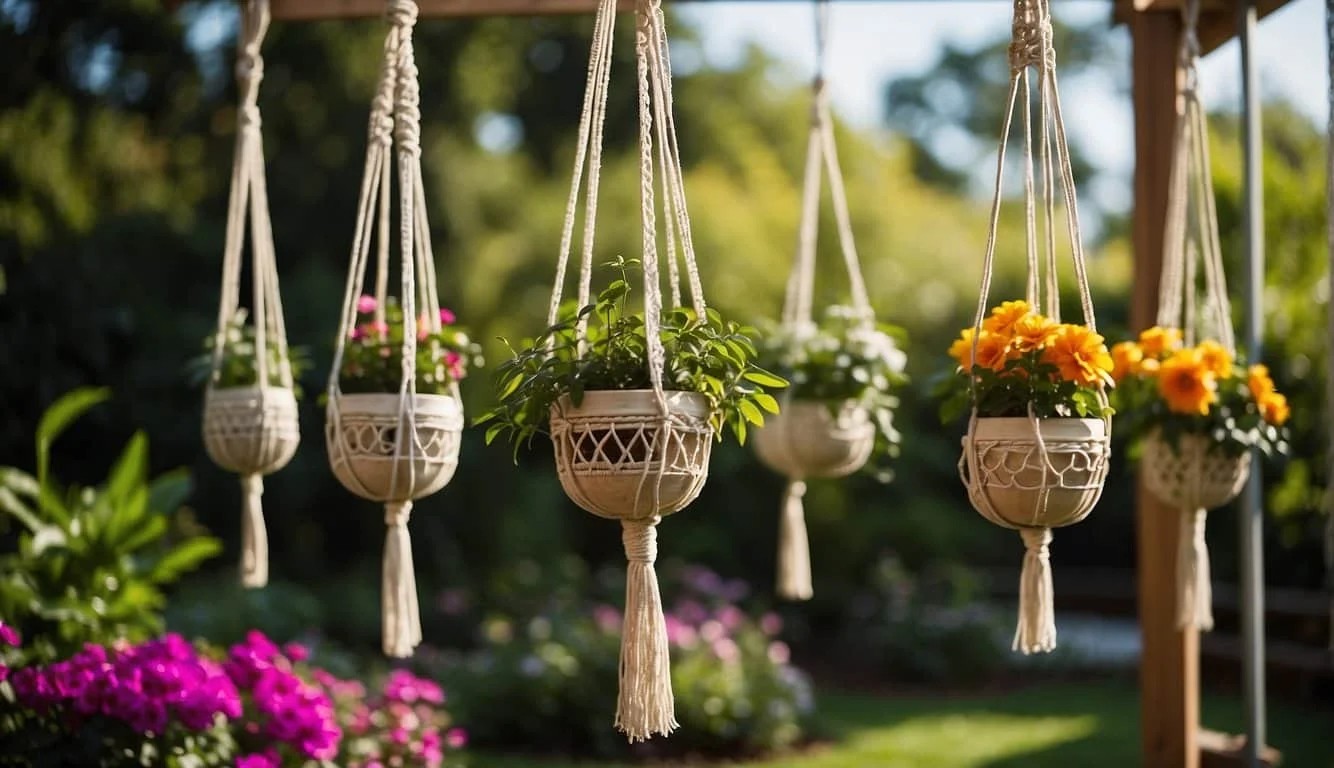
<point>1031,332</point>
<point>993,350</point>
<point>1216,358</point>
<point>1003,318</point>
<point>1257,379</point>
<point>1187,384</point>
<point>1127,360</point>
<point>1158,341</point>
<point>962,348</point>
<point>1080,355</point>
<point>1274,409</point>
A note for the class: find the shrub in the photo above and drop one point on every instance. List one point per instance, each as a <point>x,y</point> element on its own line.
<point>546,679</point>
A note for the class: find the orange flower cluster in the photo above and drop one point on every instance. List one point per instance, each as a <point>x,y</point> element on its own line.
<point>1188,378</point>
<point>1014,330</point>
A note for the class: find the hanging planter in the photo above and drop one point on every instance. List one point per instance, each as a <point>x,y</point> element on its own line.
<point>250,415</point>
<point>839,410</point>
<point>394,417</point>
<point>1193,410</point>
<point>633,400</point>
<point>1036,453</point>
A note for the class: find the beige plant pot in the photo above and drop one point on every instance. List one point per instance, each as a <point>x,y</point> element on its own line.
<point>618,458</point>
<point>806,440</point>
<point>251,430</point>
<point>1020,476</point>
<point>382,451</point>
<point>1194,477</point>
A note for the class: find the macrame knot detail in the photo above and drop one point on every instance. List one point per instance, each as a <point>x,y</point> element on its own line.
<point>797,489</point>
<point>640,539</point>
<point>247,119</point>
<point>1031,42</point>
<point>402,13</point>
<point>396,513</point>
<point>1037,540</point>
<point>407,114</point>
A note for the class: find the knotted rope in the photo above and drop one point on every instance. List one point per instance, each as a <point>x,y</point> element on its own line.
<point>394,133</point>
<point>645,703</point>
<point>1191,243</point>
<point>1032,56</point>
<point>248,201</point>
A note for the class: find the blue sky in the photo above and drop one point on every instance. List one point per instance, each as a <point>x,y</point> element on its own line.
<point>874,42</point>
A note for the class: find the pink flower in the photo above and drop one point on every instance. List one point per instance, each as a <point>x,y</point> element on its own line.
<point>378,328</point>
<point>358,333</point>
<point>267,759</point>
<point>779,653</point>
<point>771,623</point>
<point>452,358</point>
<point>367,305</point>
<point>726,650</point>
<point>296,652</point>
<point>9,635</point>
<point>446,317</point>
<point>731,617</point>
<point>456,738</point>
<point>607,618</point>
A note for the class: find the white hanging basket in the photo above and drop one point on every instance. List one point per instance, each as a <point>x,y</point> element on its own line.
<point>618,457</point>
<point>1192,476</point>
<point>251,430</point>
<point>1022,476</point>
<point>806,440</point>
<point>389,447</point>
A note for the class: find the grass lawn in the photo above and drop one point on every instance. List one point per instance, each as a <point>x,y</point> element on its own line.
<point>1070,725</point>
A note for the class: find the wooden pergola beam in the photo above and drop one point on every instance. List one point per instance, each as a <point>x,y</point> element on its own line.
<point>1218,18</point>
<point>312,10</point>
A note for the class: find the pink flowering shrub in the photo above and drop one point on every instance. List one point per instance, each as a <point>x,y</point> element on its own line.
<point>259,706</point>
<point>543,678</point>
<point>373,357</point>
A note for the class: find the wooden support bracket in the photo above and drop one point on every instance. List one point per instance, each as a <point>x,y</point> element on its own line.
<point>1223,750</point>
<point>313,10</point>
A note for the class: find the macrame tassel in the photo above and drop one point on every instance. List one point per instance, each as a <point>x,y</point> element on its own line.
<point>645,705</point>
<point>254,536</point>
<point>1194,593</point>
<point>1037,611</point>
<point>399,614</point>
<point>794,549</point>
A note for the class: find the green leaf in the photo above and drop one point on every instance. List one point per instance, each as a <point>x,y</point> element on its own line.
<point>766,401</point>
<point>19,482</point>
<point>168,491</point>
<point>57,419</point>
<point>764,378</point>
<point>751,413</point>
<point>129,470</point>
<point>10,502</point>
<point>492,431</point>
<point>149,531</point>
<point>183,558</point>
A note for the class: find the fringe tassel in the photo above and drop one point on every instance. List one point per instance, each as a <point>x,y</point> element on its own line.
<point>1037,613</point>
<point>254,536</point>
<point>1194,592</point>
<point>399,613</point>
<point>645,705</point>
<point>794,549</point>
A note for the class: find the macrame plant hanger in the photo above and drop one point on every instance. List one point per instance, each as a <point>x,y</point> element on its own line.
<point>1084,469</point>
<point>396,447</point>
<point>679,441</point>
<point>1189,476</point>
<point>794,558</point>
<point>251,430</point>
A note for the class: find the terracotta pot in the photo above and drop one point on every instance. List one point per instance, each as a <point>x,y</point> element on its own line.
<point>381,453</point>
<point>1193,477</point>
<point>251,430</point>
<point>806,440</point>
<point>1011,483</point>
<point>614,460</point>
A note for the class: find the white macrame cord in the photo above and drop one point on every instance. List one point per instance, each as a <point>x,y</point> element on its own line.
<point>1191,242</point>
<point>669,440</point>
<point>1071,467</point>
<point>251,430</point>
<point>396,447</point>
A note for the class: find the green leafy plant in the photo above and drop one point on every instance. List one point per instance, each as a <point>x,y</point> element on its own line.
<point>1173,390</point>
<point>238,367</point>
<point>708,354</point>
<point>91,561</point>
<point>1023,363</point>
<point>842,359</point>
<point>373,358</point>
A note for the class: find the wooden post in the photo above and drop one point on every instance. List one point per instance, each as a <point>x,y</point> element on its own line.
<point>1169,667</point>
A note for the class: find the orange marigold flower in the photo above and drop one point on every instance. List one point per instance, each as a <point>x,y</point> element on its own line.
<point>962,348</point>
<point>1187,384</point>
<point>1274,409</point>
<point>1080,355</point>
<point>1003,318</point>
<point>1259,382</point>
<point>1158,341</point>
<point>1127,360</point>
<point>1031,332</point>
<point>1216,358</point>
<point>993,350</point>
